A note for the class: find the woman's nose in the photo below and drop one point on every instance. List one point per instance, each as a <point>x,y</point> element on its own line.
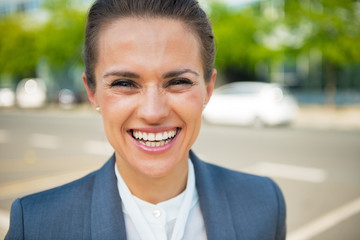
<point>153,108</point>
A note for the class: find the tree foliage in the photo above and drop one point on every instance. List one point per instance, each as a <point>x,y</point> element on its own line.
<point>61,38</point>
<point>244,37</point>
<point>58,39</point>
<point>334,27</point>
<point>237,40</point>
<point>248,35</point>
<point>18,50</point>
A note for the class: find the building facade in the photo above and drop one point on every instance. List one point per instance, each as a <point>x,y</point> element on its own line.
<point>8,7</point>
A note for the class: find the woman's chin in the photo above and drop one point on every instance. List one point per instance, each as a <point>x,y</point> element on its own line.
<point>157,168</point>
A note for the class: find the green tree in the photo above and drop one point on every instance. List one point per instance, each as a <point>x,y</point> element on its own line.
<point>61,38</point>
<point>334,32</point>
<point>57,40</point>
<point>247,36</point>
<point>18,51</point>
<point>237,36</point>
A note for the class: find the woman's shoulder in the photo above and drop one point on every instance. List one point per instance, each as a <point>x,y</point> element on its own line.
<point>239,178</point>
<point>239,184</point>
<point>57,209</point>
<point>73,192</point>
<point>230,176</point>
<point>251,199</point>
<point>61,195</point>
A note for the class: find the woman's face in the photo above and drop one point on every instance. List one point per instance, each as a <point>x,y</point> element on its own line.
<point>151,90</point>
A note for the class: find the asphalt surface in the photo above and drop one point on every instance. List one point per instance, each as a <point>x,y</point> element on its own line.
<point>317,167</point>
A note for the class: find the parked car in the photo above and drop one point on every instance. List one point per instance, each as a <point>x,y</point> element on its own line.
<point>66,98</point>
<point>251,103</point>
<point>7,97</point>
<point>31,93</point>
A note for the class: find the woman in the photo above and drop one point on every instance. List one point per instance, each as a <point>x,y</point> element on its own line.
<point>149,74</point>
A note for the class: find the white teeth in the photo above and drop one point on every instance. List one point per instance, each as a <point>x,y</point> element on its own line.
<point>159,137</point>
<point>154,136</point>
<point>165,135</point>
<point>154,139</point>
<point>151,137</point>
<point>145,136</point>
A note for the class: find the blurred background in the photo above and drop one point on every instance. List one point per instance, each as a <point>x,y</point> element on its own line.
<point>286,104</point>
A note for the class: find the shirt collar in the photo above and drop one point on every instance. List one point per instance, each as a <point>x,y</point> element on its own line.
<point>174,208</point>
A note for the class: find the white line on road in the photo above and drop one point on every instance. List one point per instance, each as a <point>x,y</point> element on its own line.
<point>98,148</point>
<point>4,220</point>
<point>288,171</point>
<point>326,222</point>
<point>27,186</point>
<point>44,141</point>
<point>4,136</point>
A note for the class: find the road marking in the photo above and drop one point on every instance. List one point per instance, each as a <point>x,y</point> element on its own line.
<point>326,222</point>
<point>44,141</point>
<point>4,220</point>
<point>4,136</point>
<point>98,148</point>
<point>27,186</point>
<point>277,170</point>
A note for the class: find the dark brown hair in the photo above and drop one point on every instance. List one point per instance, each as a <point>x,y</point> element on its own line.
<point>189,12</point>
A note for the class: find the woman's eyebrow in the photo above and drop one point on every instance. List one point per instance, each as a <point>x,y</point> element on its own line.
<point>179,72</point>
<point>121,74</point>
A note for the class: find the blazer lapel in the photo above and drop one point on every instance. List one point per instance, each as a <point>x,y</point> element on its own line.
<point>213,202</point>
<point>107,219</point>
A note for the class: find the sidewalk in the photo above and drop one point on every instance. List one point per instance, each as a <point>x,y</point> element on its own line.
<point>324,117</point>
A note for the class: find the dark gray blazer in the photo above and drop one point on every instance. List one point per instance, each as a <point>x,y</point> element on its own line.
<point>234,206</point>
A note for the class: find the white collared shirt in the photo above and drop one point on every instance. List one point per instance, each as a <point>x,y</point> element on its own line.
<point>182,214</point>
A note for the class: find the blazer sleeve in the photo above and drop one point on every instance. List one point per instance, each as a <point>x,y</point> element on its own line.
<point>16,229</point>
<point>281,221</point>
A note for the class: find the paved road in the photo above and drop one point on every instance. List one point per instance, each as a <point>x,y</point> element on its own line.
<point>318,170</point>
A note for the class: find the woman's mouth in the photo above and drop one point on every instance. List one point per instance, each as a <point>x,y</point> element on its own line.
<point>154,139</point>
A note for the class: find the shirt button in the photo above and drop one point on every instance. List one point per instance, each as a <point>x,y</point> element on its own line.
<point>156,213</point>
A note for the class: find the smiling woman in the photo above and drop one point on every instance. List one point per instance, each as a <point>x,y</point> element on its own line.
<point>148,81</point>
<point>149,73</point>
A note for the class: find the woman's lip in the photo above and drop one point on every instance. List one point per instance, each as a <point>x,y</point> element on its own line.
<point>155,150</point>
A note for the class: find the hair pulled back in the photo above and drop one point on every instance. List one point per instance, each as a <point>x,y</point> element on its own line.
<point>189,12</point>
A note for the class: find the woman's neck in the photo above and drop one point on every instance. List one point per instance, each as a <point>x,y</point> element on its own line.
<point>155,189</point>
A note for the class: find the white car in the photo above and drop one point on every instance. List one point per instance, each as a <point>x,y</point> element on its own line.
<point>31,93</point>
<point>7,97</point>
<point>251,103</point>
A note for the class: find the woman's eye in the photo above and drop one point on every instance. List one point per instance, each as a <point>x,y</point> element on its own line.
<point>124,84</point>
<point>179,82</point>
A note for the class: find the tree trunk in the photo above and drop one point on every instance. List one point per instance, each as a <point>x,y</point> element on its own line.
<point>330,83</point>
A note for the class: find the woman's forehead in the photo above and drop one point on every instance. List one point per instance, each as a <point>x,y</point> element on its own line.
<point>151,27</point>
<point>141,40</point>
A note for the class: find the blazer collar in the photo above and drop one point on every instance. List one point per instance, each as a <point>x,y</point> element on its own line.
<point>107,219</point>
<point>213,202</point>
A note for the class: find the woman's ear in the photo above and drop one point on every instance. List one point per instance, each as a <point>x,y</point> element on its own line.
<point>210,86</point>
<point>90,92</point>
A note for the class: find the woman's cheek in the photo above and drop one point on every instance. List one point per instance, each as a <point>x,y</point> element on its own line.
<point>116,102</point>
